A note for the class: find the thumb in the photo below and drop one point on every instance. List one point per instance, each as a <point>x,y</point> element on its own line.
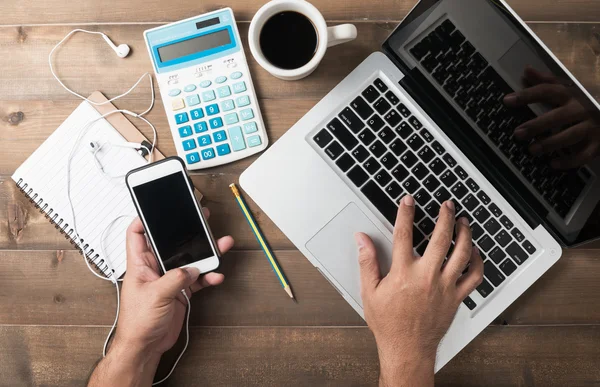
<point>367,260</point>
<point>171,284</point>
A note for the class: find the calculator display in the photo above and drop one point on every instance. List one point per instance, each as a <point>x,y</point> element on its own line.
<point>173,221</point>
<point>191,46</point>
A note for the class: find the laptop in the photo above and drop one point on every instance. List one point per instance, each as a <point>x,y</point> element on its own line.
<point>426,117</point>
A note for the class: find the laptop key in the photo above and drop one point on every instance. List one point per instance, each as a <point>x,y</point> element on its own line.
<point>437,166</point>
<point>469,303</point>
<point>411,185</point>
<point>485,289</point>
<point>438,148</point>
<point>492,273</point>
<point>448,178</point>
<point>517,253</point>
<point>345,162</point>
<point>404,130</point>
<point>400,173</point>
<point>486,243</point>
<point>382,178</point>
<point>361,107</point>
<point>377,148</point>
<point>415,142</point>
<point>398,147</point>
<point>461,172</point>
<point>415,122</point>
<point>517,234</point>
<point>360,153</point>
<point>506,222</point>
<point>492,226</point>
<point>392,97</point>
<point>431,183</point>
<point>441,195</point>
<point>381,201</point>
<point>375,123</point>
<point>472,185</point>
<point>322,138</point>
<point>409,159</point>
<point>342,134</point>
<point>476,231</point>
<point>358,176</point>
<point>426,135</point>
<point>420,171</point>
<point>392,118</point>
<point>418,236</point>
<point>366,137</point>
<point>503,238</point>
<point>481,195</point>
<point>497,254</point>
<point>404,110</point>
<point>382,106</point>
<point>422,197</point>
<point>370,94</point>
<point>386,135</point>
<point>351,120</point>
<point>459,190</point>
<point>529,247</point>
<point>449,160</point>
<point>495,210</point>
<point>389,161</point>
<point>426,226</point>
<point>426,154</point>
<point>481,214</point>
<point>394,190</point>
<point>433,209</point>
<point>380,85</point>
<point>470,202</point>
<point>334,150</point>
<point>508,267</point>
<point>372,166</point>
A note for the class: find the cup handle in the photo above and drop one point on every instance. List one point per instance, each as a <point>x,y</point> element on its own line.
<point>340,34</point>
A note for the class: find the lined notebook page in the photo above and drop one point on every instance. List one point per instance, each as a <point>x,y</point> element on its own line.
<point>97,199</point>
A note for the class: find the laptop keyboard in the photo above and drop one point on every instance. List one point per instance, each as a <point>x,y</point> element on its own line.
<point>386,152</point>
<point>479,90</point>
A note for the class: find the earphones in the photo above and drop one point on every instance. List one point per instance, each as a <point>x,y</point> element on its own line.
<point>94,147</point>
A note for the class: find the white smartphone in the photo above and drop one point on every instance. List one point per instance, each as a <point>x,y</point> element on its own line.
<point>175,225</point>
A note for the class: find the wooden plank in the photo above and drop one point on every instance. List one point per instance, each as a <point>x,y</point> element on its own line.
<point>86,63</point>
<point>525,356</point>
<point>54,287</point>
<point>56,11</point>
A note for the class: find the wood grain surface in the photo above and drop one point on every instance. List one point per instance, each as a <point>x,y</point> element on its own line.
<point>54,315</point>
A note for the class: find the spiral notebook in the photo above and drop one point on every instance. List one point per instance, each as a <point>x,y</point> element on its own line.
<point>97,199</point>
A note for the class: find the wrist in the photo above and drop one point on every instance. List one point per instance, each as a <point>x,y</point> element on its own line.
<point>406,366</point>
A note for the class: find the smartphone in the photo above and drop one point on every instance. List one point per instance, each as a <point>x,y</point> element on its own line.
<point>175,225</point>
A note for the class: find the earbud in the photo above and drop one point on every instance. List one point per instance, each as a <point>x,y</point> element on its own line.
<point>123,49</point>
<point>93,146</point>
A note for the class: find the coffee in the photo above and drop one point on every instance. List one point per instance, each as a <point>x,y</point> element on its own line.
<point>288,40</point>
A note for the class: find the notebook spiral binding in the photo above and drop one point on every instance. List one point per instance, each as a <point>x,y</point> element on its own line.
<point>85,250</point>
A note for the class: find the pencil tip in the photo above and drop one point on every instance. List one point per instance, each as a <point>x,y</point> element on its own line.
<point>289,291</point>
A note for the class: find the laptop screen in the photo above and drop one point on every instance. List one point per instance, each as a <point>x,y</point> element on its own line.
<point>510,106</point>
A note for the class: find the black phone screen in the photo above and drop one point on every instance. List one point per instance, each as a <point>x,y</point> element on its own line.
<point>173,221</point>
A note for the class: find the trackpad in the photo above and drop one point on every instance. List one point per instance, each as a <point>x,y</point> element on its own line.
<point>335,248</point>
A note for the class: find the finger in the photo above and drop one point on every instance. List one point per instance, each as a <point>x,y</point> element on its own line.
<point>580,158</point>
<point>553,119</point>
<point>403,232</point>
<point>442,236</point>
<point>561,140</point>
<point>225,244</point>
<point>462,251</point>
<point>206,212</point>
<point>370,275</point>
<point>542,93</point>
<point>534,77</point>
<point>171,284</point>
<point>472,278</point>
<point>138,252</point>
<point>209,279</point>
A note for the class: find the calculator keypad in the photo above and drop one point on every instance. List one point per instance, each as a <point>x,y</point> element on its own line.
<point>219,121</point>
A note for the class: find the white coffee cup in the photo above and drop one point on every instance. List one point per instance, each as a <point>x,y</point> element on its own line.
<point>326,36</point>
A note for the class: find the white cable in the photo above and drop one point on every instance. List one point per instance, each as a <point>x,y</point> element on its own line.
<point>77,238</point>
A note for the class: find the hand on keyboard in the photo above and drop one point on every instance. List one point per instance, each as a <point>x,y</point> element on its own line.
<point>568,126</point>
<point>411,308</point>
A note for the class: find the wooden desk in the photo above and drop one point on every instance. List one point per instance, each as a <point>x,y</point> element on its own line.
<point>54,315</point>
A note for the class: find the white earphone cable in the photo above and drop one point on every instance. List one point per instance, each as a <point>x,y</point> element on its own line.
<point>76,236</point>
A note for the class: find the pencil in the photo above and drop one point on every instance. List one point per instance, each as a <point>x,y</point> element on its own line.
<point>261,240</point>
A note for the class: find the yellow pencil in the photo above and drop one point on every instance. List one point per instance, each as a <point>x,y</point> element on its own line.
<point>261,240</point>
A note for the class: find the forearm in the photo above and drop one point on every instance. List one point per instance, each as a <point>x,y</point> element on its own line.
<point>125,367</point>
<point>406,370</point>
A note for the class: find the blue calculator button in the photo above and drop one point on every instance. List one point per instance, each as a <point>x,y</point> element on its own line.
<point>208,96</point>
<point>237,138</point>
<point>208,153</point>
<point>197,114</point>
<point>189,144</point>
<point>200,127</point>
<point>254,141</point>
<point>181,118</point>
<point>216,123</point>
<point>192,100</point>
<point>242,101</point>
<point>236,75</point>
<point>239,87</point>
<point>224,91</point>
<point>221,79</point>
<point>250,127</point>
<point>211,110</point>
<point>174,92</point>
<point>192,158</point>
<point>205,84</point>
<point>247,114</point>
<point>185,131</point>
<point>204,140</point>
<point>189,88</point>
<point>220,136</point>
<point>223,150</point>
<point>227,105</point>
<point>231,118</point>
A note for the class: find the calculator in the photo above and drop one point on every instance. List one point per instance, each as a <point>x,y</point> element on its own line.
<point>206,89</point>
